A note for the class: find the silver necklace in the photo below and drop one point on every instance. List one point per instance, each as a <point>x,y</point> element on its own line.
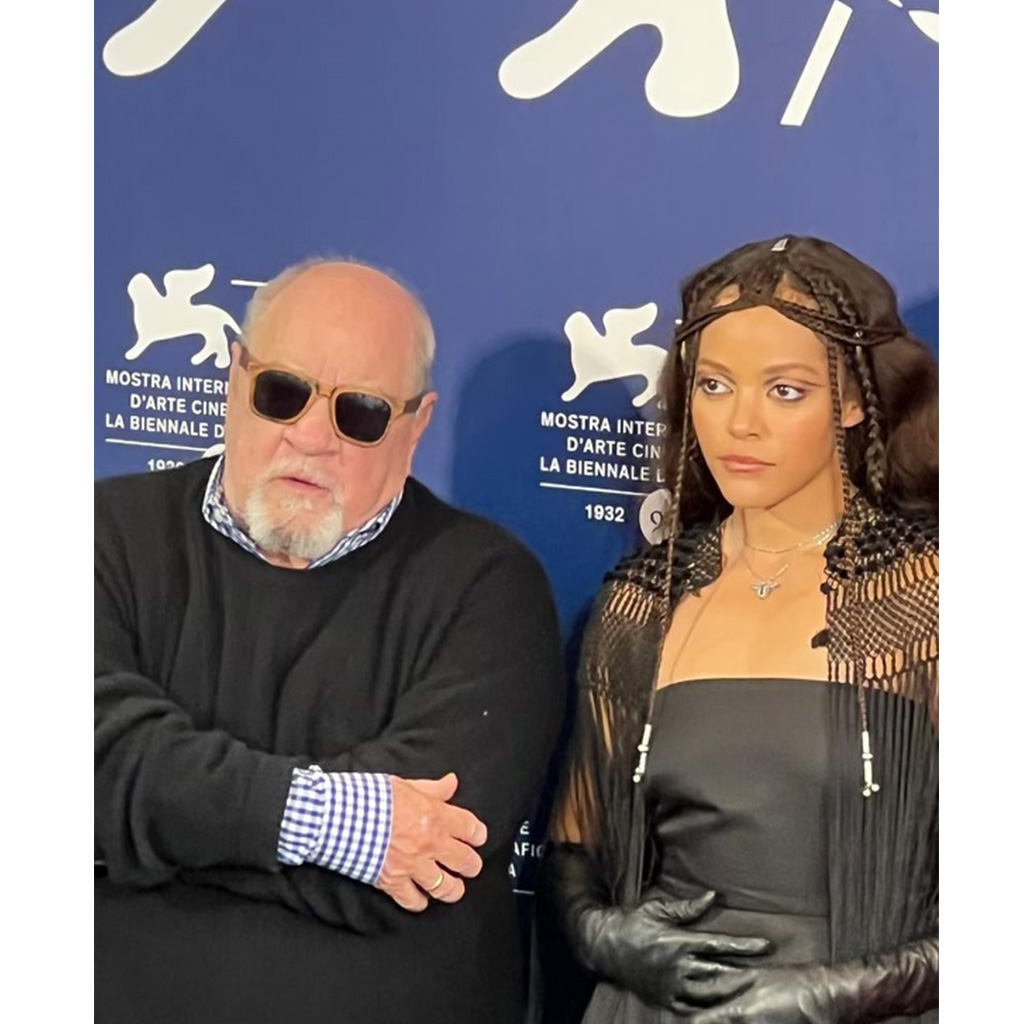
<point>765,586</point>
<point>818,538</point>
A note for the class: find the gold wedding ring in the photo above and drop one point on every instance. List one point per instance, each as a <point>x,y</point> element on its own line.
<point>437,884</point>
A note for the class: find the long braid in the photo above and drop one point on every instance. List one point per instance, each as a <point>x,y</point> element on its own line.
<point>703,497</point>
<point>832,349</point>
<point>687,361</point>
<point>875,456</point>
<point>832,296</point>
<point>635,860</point>
<point>686,436</point>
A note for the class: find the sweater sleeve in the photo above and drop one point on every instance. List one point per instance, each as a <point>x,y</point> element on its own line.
<point>486,703</point>
<point>168,795</point>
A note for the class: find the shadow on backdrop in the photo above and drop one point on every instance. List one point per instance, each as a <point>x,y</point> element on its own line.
<point>498,443</point>
<point>922,319</point>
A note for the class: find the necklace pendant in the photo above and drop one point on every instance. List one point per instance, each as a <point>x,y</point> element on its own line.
<point>764,588</point>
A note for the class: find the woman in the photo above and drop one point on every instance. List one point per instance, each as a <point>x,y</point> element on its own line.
<point>748,830</point>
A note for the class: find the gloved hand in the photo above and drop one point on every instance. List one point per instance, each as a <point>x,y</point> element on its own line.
<point>648,948</point>
<point>904,981</point>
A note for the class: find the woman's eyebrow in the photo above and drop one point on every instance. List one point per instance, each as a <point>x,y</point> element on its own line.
<point>710,364</point>
<point>782,369</point>
<point>770,372</point>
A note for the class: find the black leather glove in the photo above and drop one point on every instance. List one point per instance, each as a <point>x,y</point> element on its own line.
<point>647,948</point>
<point>902,982</point>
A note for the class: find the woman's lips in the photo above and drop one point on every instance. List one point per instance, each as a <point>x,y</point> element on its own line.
<point>744,464</point>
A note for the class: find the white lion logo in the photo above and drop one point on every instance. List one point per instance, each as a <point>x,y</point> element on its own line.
<point>611,356</point>
<point>172,315</point>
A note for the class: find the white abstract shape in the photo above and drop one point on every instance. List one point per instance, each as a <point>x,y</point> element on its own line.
<point>172,315</point>
<point>927,22</point>
<point>613,356</point>
<point>896,3</point>
<point>696,72</point>
<point>654,515</point>
<point>157,35</point>
<point>817,64</point>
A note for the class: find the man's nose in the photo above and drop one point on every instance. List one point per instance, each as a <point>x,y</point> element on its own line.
<point>313,432</point>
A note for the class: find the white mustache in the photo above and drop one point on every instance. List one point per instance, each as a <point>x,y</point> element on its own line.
<point>302,470</point>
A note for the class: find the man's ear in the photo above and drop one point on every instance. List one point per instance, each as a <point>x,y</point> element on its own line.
<point>420,422</point>
<point>421,418</point>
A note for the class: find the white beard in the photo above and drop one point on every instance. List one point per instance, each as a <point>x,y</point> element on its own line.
<point>271,523</point>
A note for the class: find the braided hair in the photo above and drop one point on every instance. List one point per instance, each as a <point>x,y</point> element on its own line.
<point>892,457</point>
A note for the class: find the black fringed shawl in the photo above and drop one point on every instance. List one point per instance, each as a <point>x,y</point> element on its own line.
<point>881,595</point>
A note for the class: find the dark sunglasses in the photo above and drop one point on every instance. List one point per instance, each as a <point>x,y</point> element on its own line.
<point>357,414</point>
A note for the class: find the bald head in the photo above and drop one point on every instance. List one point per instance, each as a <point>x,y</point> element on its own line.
<point>342,297</point>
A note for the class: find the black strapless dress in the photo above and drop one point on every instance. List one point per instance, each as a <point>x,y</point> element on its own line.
<point>736,784</point>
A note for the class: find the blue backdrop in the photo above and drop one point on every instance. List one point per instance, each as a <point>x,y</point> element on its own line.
<point>517,165</point>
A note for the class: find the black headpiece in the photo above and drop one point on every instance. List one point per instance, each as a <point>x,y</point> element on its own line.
<point>849,301</point>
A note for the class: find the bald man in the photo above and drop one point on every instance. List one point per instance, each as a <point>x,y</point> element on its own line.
<point>325,699</point>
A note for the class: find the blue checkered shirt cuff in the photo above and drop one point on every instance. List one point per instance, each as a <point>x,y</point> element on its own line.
<point>337,820</point>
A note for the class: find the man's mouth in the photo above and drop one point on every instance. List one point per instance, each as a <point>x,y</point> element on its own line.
<point>303,483</point>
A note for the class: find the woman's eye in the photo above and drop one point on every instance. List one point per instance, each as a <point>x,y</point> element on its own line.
<point>710,386</point>
<point>789,393</point>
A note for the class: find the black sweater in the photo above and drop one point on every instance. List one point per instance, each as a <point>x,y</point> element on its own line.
<point>432,649</point>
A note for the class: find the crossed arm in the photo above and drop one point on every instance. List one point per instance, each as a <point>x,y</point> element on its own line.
<point>175,801</point>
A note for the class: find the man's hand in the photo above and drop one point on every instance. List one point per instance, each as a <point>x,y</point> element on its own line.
<point>431,847</point>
